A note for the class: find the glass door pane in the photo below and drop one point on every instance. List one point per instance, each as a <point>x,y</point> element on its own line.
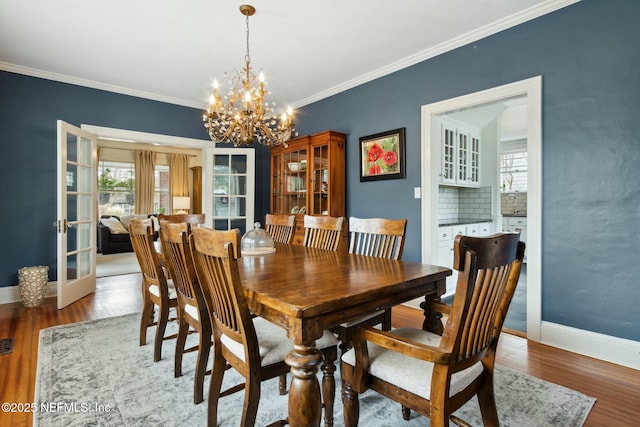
<point>232,184</point>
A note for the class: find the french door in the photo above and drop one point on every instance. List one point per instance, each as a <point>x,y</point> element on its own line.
<point>76,213</point>
<point>230,188</point>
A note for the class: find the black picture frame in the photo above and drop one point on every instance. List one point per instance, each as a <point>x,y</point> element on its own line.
<point>382,156</point>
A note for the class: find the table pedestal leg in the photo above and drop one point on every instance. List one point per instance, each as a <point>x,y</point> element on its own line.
<point>305,403</point>
<point>432,320</point>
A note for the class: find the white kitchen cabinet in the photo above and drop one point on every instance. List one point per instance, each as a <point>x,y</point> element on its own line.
<point>479,230</point>
<point>512,224</point>
<point>445,255</point>
<point>446,237</point>
<point>459,154</point>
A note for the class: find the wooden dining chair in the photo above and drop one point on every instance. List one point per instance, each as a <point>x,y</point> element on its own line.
<point>253,346</point>
<point>436,375</point>
<point>280,227</point>
<point>323,232</point>
<point>376,237</point>
<point>193,219</point>
<point>157,290</point>
<point>192,301</point>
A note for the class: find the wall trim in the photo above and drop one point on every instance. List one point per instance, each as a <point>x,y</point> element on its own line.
<point>464,39</point>
<point>616,350</point>
<point>11,294</point>
<point>48,75</point>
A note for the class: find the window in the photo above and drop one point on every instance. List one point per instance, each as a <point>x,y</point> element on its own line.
<point>116,188</point>
<point>162,196</point>
<point>116,184</point>
<point>513,171</point>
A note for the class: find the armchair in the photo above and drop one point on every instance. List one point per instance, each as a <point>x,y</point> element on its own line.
<point>436,375</point>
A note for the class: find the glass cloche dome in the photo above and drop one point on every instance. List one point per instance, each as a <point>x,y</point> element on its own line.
<point>257,242</point>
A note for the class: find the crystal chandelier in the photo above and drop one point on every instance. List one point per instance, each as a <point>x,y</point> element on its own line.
<point>244,115</point>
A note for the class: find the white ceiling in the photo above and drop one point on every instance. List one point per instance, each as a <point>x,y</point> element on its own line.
<point>172,50</point>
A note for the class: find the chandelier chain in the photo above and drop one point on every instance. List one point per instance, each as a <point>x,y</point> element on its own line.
<point>247,57</point>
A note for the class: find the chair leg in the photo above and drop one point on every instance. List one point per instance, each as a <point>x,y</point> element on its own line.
<point>329,385</point>
<point>147,313</point>
<point>251,400</point>
<point>282,384</point>
<point>487,402</point>
<point>217,374</point>
<point>351,411</point>
<point>162,326</point>
<point>183,329</point>
<point>204,348</point>
<point>406,413</point>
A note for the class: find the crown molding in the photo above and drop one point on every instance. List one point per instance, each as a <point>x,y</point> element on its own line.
<point>449,45</point>
<point>33,72</point>
<point>470,37</point>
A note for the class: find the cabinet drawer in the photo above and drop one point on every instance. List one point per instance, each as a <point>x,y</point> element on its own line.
<point>458,229</point>
<point>444,234</point>
<point>479,230</point>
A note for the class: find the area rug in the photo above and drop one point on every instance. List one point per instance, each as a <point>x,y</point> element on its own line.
<point>116,264</point>
<point>95,373</point>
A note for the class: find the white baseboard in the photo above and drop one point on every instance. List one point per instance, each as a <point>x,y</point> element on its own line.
<point>9,294</point>
<point>616,350</point>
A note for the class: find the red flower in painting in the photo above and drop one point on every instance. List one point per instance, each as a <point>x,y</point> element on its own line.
<point>374,170</point>
<point>390,158</point>
<point>375,152</point>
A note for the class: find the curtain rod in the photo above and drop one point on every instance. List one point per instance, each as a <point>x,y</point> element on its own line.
<point>135,149</point>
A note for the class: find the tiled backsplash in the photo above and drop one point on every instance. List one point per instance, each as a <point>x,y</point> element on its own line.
<point>468,203</point>
<point>513,204</point>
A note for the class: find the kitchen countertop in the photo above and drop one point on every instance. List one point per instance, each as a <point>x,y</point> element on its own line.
<point>460,221</point>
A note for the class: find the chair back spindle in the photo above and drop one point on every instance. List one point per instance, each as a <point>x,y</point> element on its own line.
<point>215,258</point>
<point>489,272</point>
<point>280,227</point>
<point>323,232</point>
<point>378,237</point>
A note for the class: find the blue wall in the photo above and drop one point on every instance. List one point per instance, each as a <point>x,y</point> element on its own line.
<point>29,109</point>
<point>588,57</point>
<point>589,60</point>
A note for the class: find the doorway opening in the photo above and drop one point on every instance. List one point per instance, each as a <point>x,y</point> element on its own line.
<point>528,93</point>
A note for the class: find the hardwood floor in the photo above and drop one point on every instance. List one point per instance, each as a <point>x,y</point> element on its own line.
<point>616,388</point>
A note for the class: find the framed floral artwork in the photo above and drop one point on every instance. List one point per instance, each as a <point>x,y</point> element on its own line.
<point>382,155</point>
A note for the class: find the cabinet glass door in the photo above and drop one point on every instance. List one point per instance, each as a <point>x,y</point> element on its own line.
<point>276,184</point>
<point>447,174</point>
<point>320,181</point>
<point>463,157</point>
<point>295,181</point>
<point>474,163</point>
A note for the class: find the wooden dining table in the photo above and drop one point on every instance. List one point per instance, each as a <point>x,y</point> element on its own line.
<point>307,290</point>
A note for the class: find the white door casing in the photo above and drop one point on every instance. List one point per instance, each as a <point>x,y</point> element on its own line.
<point>532,89</point>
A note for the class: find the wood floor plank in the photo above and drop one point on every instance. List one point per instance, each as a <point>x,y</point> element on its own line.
<point>616,388</point>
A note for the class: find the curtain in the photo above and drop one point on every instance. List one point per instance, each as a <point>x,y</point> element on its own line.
<point>145,181</point>
<point>178,175</point>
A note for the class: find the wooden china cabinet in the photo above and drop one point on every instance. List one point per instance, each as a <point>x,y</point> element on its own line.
<point>308,177</point>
